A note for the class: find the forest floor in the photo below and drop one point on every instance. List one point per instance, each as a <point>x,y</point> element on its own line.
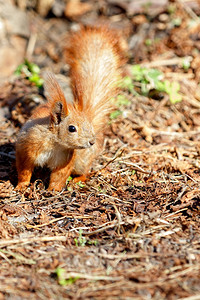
<point>132,230</point>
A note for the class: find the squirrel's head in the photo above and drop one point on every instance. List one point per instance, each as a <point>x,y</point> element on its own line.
<point>72,126</point>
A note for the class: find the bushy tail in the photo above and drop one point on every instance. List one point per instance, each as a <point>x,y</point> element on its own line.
<point>95,58</point>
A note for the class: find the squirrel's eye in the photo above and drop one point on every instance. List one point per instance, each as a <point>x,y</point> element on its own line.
<point>72,128</point>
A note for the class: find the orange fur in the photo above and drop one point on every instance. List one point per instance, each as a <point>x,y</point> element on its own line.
<point>95,58</point>
<point>48,137</point>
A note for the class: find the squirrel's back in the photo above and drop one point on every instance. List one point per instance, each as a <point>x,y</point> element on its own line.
<point>95,58</point>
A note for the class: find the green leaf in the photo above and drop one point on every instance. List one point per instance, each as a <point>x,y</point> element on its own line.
<point>69,179</point>
<point>174,96</point>
<point>154,74</point>
<point>177,22</point>
<point>122,100</point>
<point>76,242</point>
<point>148,42</point>
<point>151,79</point>
<point>60,272</point>
<point>31,71</point>
<point>115,114</point>
<point>160,86</point>
<point>81,241</point>
<point>137,72</point>
<point>35,78</point>
<point>167,86</point>
<point>18,71</point>
<point>34,68</point>
<point>80,183</point>
<point>95,242</point>
<point>186,64</point>
<point>127,83</point>
<point>144,89</point>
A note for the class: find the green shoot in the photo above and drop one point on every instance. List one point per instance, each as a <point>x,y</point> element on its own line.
<point>122,100</point>
<point>115,114</point>
<point>127,84</point>
<point>186,64</point>
<point>81,241</point>
<point>31,71</point>
<point>153,79</point>
<point>148,42</point>
<point>81,184</point>
<point>60,272</point>
<point>69,179</point>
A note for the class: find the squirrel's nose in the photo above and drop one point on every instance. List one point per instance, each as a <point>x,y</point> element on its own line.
<point>91,142</point>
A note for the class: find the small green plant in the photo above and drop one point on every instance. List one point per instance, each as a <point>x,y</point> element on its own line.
<point>172,89</point>
<point>148,42</point>
<point>127,84</point>
<point>81,184</point>
<point>60,273</point>
<point>81,241</point>
<point>153,79</point>
<point>171,8</point>
<point>121,100</point>
<point>186,64</point>
<point>31,71</point>
<point>143,81</point>
<point>69,188</point>
<point>115,114</point>
<point>91,242</point>
<point>68,179</point>
<point>177,22</point>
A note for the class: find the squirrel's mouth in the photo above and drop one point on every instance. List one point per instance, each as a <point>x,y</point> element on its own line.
<point>79,147</point>
<point>85,146</point>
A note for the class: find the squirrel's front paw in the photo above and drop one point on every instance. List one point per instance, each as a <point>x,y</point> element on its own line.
<point>82,178</point>
<point>22,186</point>
<point>57,187</point>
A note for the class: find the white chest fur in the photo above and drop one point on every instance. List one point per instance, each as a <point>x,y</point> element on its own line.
<point>43,158</point>
<point>52,158</point>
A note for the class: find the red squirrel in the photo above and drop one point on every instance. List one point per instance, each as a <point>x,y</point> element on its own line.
<point>67,137</point>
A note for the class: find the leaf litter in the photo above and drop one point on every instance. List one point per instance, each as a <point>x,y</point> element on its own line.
<point>132,230</point>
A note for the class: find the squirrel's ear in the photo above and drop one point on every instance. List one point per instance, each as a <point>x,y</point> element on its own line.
<point>57,113</point>
<point>56,98</point>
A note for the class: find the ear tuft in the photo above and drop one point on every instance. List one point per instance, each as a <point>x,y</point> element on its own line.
<point>57,113</point>
<point>55,94</point>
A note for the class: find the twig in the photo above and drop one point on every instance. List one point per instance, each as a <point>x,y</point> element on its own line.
<point>56,220</point>
<point>195,297</point>
<point>174,133</point>
<point>167,62</point>
<point>31,45</point>
<point>115,223</point>
<point>175,213</point>
<point>30,240</point>
<point>5,257</point>
<point>117,154</point>
<point>119,218</point>
<point>189,11</point>
<point>124,256</point>
<point>184,272</point>
<point>115,198</point>
<point>137,168</point>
